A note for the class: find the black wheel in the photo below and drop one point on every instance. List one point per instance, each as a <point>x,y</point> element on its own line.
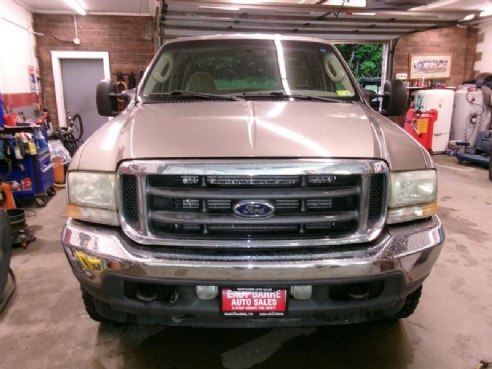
<point>71,146</point>
<point>490,158</point>
<point>5,250</point>
<point>68,141</point>
<point>51,191</point>
<point>65,135</point>
<point>90,307</point>
<point>410,305</point>
<point>490,167</point>
<point>77,127</point>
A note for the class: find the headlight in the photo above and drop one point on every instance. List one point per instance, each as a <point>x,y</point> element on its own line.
<point>412,195</point>
<point>91,197</point>
<point>410,188</point>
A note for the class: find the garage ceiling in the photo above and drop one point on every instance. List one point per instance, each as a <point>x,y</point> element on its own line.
<point>340,20</point>
<point>379,20</point>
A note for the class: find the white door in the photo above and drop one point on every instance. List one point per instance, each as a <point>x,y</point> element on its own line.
<point>76,75</point>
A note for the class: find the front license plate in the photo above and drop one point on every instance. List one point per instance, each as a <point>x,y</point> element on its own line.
<point>251,302</point>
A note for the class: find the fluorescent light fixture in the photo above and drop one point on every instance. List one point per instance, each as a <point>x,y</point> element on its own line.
<point>348,3</point>
<point>469,17</point>
<point>434,5</point>
<point>486,12</point>
<point>371,14</point>
<point>440,3</point>
<point>75,5</point>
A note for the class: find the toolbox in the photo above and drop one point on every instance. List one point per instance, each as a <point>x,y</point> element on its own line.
<point>29,174</point>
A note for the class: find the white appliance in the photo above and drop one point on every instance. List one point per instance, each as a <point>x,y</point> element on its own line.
<point>442,101</point>
<point>471,114</point>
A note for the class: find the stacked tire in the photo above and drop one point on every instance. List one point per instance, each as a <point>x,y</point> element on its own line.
<point>5,250</point>
<point>490,168</point>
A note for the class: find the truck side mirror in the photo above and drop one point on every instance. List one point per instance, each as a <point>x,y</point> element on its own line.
<point>372,98</point>
<point>107,98</point>
<point>395,98</point>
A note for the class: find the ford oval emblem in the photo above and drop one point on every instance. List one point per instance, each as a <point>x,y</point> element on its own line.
<point>253,209</point>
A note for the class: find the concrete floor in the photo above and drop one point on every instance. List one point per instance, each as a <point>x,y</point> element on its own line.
<point>45,325</point>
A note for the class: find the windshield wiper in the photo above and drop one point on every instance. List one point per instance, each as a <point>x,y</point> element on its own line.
<point>284,95</point>
<point>187,94</point>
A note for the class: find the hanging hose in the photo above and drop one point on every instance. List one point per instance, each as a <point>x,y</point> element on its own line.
<point>474,120</point>
<point>474,123</point>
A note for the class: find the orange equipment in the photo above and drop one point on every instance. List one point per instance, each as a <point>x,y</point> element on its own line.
<point>8,202</point>
<point>420,125</point>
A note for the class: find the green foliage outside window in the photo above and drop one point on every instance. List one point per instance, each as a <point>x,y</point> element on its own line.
<point>365,60</point>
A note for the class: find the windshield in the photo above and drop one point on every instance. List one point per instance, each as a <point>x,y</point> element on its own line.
<point>240,67</point>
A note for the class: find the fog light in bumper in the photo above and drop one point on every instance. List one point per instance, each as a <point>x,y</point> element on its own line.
<point>301,292</point>
<point>207,292</point>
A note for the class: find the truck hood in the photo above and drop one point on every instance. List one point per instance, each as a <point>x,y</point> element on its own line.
<point>247,129</point>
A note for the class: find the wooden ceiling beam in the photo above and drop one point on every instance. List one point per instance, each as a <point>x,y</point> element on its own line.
<point>296,21</point>
<point>278,29</point>
<point>303,18</point>
<point>286,30</point>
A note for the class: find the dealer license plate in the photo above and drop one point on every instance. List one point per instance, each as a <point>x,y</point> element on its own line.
<point>251,302</point>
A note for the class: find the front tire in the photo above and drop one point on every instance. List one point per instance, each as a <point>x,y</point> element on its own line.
<point>90,307</point>
<point>490,167</point>
<point>410,304</point>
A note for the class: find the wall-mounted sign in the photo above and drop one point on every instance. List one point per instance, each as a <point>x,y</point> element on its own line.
<point>430,66</point>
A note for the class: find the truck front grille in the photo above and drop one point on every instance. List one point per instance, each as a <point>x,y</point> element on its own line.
<point>188,203</point>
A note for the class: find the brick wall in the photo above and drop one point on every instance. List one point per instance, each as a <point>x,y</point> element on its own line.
<point>127,39</point>
<point>458,42</point>
<point>130,45</point>
<point>483,56</point>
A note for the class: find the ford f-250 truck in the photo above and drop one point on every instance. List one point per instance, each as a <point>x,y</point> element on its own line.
<point>248,183</point>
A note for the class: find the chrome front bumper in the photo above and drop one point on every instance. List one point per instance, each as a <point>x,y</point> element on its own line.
<point>94,251</point>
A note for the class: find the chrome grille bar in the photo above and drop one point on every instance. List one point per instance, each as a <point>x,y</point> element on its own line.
<point>318,202</point>
<point>226,194</point>
<point>201,218</point>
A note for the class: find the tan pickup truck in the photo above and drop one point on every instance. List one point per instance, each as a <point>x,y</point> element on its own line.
<point>249,184</point>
